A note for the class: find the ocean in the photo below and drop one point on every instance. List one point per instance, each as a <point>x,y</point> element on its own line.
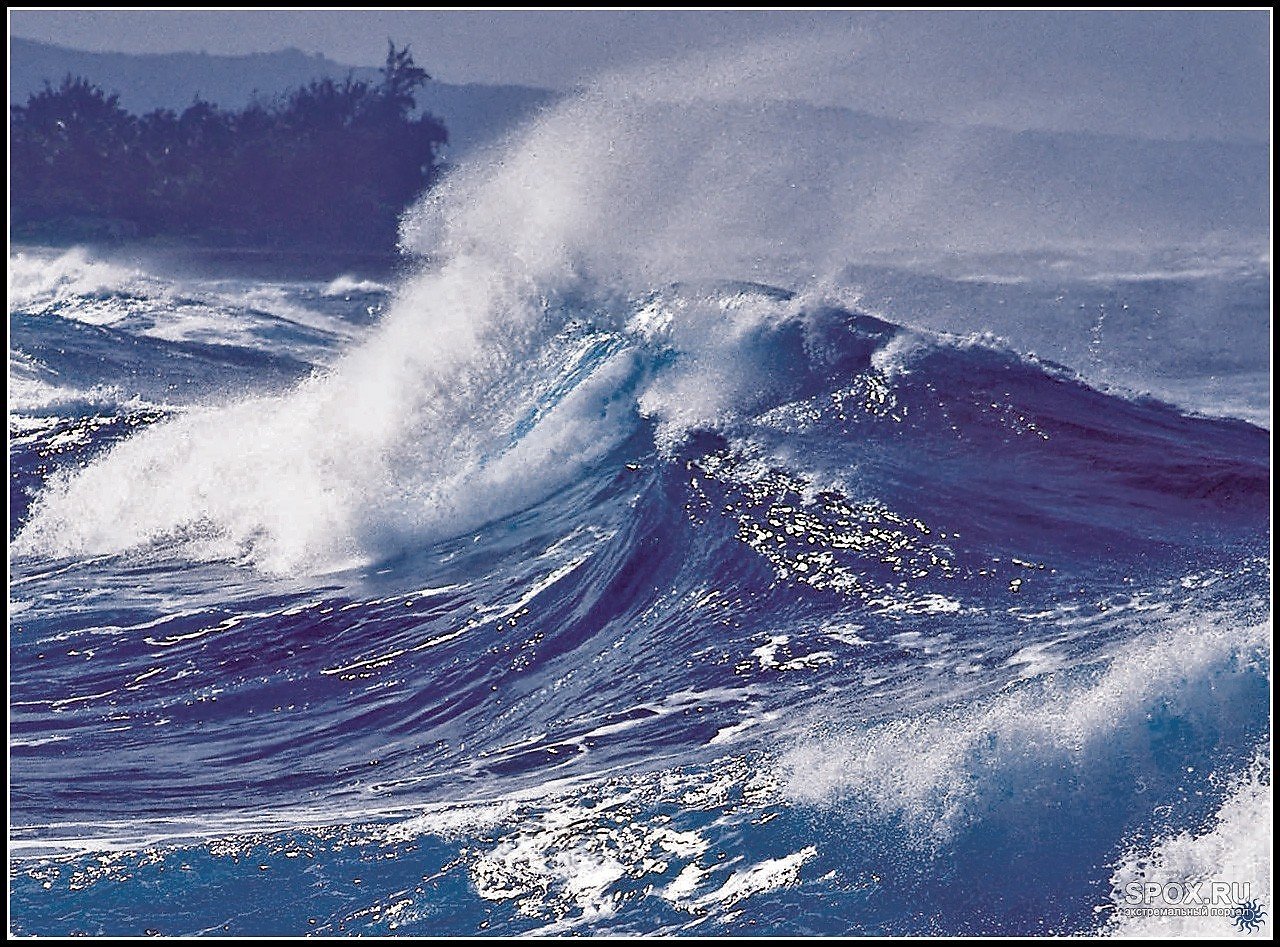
<point>545,582</point>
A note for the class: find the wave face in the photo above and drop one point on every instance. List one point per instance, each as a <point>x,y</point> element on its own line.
<point>573,584</point>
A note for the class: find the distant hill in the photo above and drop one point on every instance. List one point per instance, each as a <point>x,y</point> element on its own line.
<point>474,114</point>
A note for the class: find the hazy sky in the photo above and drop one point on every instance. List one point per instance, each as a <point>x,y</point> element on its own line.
<point>1169,73</point>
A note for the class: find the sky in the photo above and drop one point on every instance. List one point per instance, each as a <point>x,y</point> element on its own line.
<point>1175,74</point>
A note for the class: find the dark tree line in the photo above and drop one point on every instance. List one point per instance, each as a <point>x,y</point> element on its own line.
<point>331,163</point>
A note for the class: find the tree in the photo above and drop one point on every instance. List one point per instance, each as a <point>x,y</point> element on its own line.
<point>400,78</point>
<point>330,162</point>
<point>71,146</point>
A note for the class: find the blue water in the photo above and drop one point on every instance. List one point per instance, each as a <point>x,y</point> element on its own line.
<point>706,610</point>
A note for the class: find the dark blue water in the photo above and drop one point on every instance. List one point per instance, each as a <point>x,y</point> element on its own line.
<point>651,618</point>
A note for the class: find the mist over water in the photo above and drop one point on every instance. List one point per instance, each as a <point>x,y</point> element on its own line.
<point>741,502</point>
<point>727,157</point>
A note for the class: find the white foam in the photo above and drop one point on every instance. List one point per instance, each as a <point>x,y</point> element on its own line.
<point>768,875</point>
<point>1235,848</point>
<point>934,770</point>
<point>40,278</point>
<point>346,285</point>
<point>32,400</point>
<point>78,286</point>
<point>387,448</point>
